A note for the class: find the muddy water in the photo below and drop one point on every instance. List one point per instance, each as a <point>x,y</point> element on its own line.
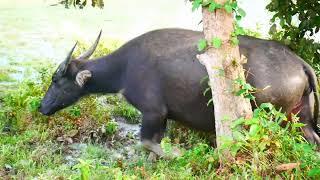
<point>124,144</point>
<point>35,30</point>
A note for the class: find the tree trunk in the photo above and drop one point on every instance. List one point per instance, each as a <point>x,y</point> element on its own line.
<point>223,65</point>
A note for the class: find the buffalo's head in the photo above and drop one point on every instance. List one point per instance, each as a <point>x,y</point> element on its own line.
<point>68,82</point>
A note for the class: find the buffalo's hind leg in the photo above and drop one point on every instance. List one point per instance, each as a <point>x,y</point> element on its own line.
<point>307,117</point>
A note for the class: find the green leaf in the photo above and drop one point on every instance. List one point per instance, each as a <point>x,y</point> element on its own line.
<point>247,86</point>
<point>249,96</point>
<point>239,81</point>
<point>238,122</point>
<point>196,4</point>
<point>239,30</point>
<point>282,22</point>
<point>262,145</point>
<point>254,129</point>
<point>266,106</point>
<point>205,2</point>
<point>166,145</point>
<point>298,125</point>
<point>234,5</point>
<point>241,92</point>
<point>238,18</point>
<point>213,6</point>
<point>256,112</point>
<point>235,41</point>
<point>314,172</point>
<point>241,12</point>
<point>202,44</point>
<point>234,149</point>
<point>228,8</point>
<point>216,42</point>
<point>251,121</point>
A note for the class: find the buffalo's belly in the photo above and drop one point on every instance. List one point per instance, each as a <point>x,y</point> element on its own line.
<point>196,115</point>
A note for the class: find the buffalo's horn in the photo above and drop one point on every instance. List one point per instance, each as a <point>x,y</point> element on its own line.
<point>91,50</point>
<point>68,59</point>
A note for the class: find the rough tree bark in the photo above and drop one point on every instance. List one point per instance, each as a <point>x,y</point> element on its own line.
<point>227,106</point>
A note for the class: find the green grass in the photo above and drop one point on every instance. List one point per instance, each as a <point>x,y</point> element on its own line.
<point>30,148</point>
<point>33,146</point>
<point>5,77</point>
<point>123,109</point>
<point>5,74</point>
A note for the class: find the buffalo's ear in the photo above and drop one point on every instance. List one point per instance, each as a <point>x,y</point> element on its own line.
<point>82,77</point>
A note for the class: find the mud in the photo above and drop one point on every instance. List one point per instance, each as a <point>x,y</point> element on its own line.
<point>124,144</point>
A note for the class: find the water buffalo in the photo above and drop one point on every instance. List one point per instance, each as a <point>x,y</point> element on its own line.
<point>159,74</point>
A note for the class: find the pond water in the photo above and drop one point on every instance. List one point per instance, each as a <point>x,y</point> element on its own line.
<point>35,32</point>
<point>33,29</point>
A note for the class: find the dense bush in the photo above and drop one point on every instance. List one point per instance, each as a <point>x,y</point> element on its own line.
<point>295,23</point>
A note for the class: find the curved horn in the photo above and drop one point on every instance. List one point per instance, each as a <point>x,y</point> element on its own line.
<point>64,66</point>
<point>91,50</point>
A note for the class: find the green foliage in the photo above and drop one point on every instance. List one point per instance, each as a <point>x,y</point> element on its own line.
<point>262,142</point>
<point>111,127</point>
<point>75,111</point>
<point>245,89</point>
<point>238,30</point>
<point>84,168</point>
<point>202,44</point>
<point>213,6</point>
<point>29,152</point>
<point>123,109</point>
<point>234,40</point>
<point>82,3</point>
<point>166,146</point>
<point>229,6</point>
<point>196,4</point>
<point>5,75</point>
<point>216,42</point>
<point>298,21</point>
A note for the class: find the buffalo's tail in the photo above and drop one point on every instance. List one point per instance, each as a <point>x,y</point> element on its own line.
<point>313,83</point>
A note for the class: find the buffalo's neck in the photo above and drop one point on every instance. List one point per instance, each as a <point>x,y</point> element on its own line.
<point>108,74</point>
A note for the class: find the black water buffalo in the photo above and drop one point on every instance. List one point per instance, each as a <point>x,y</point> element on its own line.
<point>159,74</point>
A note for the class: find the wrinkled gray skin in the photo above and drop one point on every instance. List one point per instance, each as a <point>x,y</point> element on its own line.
<point>159,74</point>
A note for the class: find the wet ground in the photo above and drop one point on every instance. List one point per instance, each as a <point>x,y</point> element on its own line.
<point>124,144</point>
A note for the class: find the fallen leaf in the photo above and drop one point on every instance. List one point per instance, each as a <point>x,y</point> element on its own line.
<point>286,167</point>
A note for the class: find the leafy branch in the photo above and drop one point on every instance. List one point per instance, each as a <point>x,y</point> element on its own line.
<point>297,32</point>
<point>230,6</point>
